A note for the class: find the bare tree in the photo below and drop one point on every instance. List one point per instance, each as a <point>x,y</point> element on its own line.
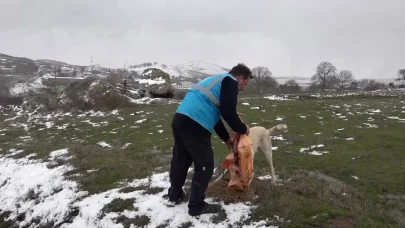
<point>343,79</point>
<point>290,86</point>
<point>324,74</point>
<point>370,85</point>
<point>263,80</point>
<point>401,76</point>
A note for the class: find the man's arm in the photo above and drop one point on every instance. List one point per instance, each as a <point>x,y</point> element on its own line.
<point>221,130</point>
<point>228,102</point>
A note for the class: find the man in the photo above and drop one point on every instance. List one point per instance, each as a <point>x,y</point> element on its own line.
<point>198,115</point>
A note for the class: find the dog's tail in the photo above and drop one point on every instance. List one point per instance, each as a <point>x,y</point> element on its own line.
<point>277,128</point>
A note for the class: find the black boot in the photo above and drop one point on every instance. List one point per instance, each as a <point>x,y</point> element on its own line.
<point>178,201</point>
<point>206,209</point>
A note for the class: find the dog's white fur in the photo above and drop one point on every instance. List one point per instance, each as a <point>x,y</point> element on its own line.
<point>260,137</point>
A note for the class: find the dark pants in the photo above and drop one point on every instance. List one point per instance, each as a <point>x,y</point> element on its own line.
<point>192,143</point>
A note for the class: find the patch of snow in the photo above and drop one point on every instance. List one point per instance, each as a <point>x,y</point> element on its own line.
<point>145,100</point>
<point>13,152</point>
<point>354,177</point>
<point>31,188</point>
<point>91,123</point>
<point>148,82</point>
<point>58,153</point>
<point>104,144</point>
<point>153,206</point>
<point>49,124</point>
<point>318,153</point>
<point>254,108</point>
<point>375,111</point>
<point>277,138</point>
<point>245,103</point>
<point>314,152</point>
<point>140,121</point>
<point>126,145</point>
<point>276,98</point>
<point>396,118</point>
<point>371,125</point>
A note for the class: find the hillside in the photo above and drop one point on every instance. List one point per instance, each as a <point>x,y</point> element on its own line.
<point>24,73</point>
<point>192,69</point>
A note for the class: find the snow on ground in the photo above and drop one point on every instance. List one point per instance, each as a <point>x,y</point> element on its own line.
<point>44,195</point>
<point>28,186</point>
<point>312,150</point>
<point>152,206</point>
<point>104,144</point>
<point>277,98</point>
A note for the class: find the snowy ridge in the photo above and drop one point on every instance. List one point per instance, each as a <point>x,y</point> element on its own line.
<point>189,69</point>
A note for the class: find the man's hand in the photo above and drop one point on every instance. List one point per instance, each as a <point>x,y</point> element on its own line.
<point>229,143</point>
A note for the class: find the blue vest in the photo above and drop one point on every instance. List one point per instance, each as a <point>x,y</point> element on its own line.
<point>201,102</point>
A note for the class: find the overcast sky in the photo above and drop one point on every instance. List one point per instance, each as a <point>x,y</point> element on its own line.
<point>289,37</point>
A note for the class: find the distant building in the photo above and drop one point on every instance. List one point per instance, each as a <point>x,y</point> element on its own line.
<point>183,85</point>
<point>66,70</point>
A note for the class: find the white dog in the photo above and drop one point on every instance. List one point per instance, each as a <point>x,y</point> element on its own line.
<point>260,137</point>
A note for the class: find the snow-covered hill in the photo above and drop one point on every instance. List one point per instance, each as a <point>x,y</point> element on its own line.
<point>194,69</point>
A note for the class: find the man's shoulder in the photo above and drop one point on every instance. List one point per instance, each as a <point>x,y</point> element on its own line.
<point>229,81</point>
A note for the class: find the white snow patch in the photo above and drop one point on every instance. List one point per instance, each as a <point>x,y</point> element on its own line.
<point>245,103</point>
<point>126,145</point>
<point>24,178</point>
<point>58,153</point>
<point>396,118</point>
<point>254,108</point>
<point>354,177</point>
<point>318,153</point>
<point>371,125</point>
<point>375,111</point>
<point>277,98</point>
<point>314,152</point>
<point>277,138</point>
<point>104,144</point>
<point>157,81</point>
<point>153,206</point>
<point>140,121</point>
<point>13,152</point>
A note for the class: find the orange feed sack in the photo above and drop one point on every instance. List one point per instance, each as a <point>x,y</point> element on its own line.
<point>244,149</point>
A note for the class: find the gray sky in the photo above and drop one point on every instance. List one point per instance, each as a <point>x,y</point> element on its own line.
<point>289,37</point>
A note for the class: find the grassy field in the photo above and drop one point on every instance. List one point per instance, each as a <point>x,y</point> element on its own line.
<point>340,164</point>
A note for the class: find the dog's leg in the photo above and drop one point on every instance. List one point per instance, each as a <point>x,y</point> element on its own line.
<point>266,147</point>
<point>250,181</point>
<point>221,176</point>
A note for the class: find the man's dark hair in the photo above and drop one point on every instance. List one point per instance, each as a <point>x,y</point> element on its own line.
<point>241,70</point>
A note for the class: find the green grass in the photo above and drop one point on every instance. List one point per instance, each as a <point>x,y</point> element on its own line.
<point>375,156</point>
